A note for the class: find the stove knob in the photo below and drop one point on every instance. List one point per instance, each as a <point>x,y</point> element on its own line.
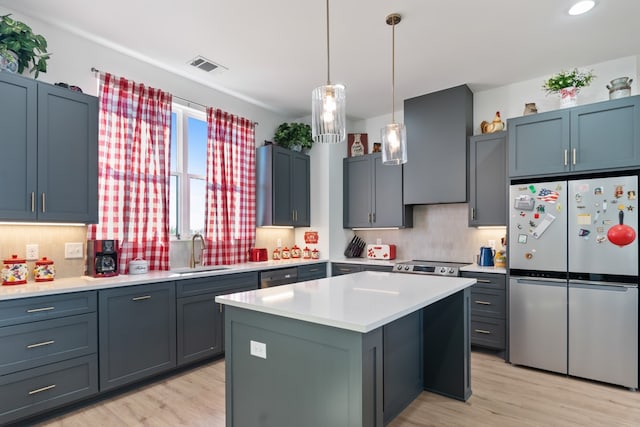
<point>399,267</point>
<point>451,271</point>
<point>443,270</point>
<point>406,267</point>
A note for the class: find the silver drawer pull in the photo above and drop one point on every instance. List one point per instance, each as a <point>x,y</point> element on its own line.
<point>40,344</point>
<point>141,298</point>
<point>482,331</point>
<point>40,390</point>
<point>36,310</point>
<point>483,302</point>
<point>483,281</point>
<point>311,270</point>
<point>344,269</point>
<point>287,276</point>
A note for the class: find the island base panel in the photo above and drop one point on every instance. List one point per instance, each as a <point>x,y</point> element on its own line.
<point>313,375</point>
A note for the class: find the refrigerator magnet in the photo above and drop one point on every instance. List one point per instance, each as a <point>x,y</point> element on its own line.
<point>542,227</point>
<point>631,195</point>
<point>630,208</point>
<point>600,229</point>
<point>532,188</point>
<point>522,238</point>
<point>583,232</point>
<point>598,191</point>
<point>584,219</point>
<point>600,238</point>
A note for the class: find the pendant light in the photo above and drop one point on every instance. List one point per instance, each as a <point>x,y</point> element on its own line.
<point>328,118</point>
<point>394,135</point>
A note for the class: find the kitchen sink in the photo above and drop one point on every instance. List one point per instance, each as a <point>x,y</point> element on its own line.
<point>187,271</point>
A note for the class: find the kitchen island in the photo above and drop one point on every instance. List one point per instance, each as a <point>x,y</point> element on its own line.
<point>351,350</point>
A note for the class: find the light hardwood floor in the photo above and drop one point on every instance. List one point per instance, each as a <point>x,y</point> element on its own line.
<point>503,395</point>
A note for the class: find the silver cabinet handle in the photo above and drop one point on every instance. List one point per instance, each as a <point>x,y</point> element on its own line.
<point>40,344</point>
<point>33,201</point>
<point>573,155</point>
<point>483,302</point>
<point>141,298</point>
<point>40,390</point>
<point>374,217</point>
<point>473,213</point>
<point>483,281</point>
<point>566,160</point>
<point>36,310</point>
<point>344,269</point>
<point>312,270</point>
<point>482,331</point>
<point>44,203</point>
<point>369,217</point>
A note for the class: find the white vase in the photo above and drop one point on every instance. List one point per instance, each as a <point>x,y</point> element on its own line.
<point>568,97</point>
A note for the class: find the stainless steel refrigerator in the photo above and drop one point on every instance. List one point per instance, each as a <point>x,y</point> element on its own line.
<point>573,260</point>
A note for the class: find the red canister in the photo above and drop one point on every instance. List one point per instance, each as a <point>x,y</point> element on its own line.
<point>15,271</point>
<point>44,271</point>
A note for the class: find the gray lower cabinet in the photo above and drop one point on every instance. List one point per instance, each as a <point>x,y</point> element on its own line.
<point>312,272</point>
<point>488,310</point>
<point>283,187</point>
<point>338,269</point>
<point>200,319</point>
<point>49,353</point>
<point>438,127</point>
<point>52,135</point>
<point>599,136</point>
<point>373,194</point>
<point>137,330</point>
<point>488,179</point>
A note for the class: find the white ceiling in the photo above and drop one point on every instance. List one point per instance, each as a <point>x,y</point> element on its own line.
<point>275,50</point>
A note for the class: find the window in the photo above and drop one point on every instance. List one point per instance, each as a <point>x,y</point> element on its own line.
<point>188,171</point>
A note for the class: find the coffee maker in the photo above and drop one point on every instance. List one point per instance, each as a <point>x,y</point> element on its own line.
<point>102,258</point>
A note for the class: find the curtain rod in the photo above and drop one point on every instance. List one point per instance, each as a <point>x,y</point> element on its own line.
<point>95,70</point>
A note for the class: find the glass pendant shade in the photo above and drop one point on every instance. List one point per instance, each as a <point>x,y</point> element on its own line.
<point>328,116</point>
<point>394,144</point>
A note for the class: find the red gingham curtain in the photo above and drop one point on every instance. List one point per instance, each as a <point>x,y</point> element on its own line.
<point>231,195</point>
<point>133,175</point>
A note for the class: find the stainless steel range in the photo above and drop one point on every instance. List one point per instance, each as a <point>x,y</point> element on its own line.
<point>437,268</point>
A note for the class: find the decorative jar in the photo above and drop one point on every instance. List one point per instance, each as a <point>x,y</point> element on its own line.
<point>295,251</point>
<point>620,87</point>
<point>315,254</point>
<point>276,254</point>
<point>44,271</point>
<point>306,253</point>
<point>15,271</point>
<point>568,97</point>
<point>286,254</point>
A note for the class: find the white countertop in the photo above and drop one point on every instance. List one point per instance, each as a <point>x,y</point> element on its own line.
<point>475,268</point>
<point>366,261</point>
<point>85,283</point>
<point>359,302</point>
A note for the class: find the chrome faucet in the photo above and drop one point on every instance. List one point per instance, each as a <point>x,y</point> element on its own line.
<point>193,262</point>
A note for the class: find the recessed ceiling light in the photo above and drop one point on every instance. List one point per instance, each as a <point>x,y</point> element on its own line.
<point>582,7</point>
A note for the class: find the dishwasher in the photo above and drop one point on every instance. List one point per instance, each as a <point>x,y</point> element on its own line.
<point>280,276</point>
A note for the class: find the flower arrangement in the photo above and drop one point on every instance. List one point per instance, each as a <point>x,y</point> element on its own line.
<point>289,135</point>
<point>565,79</point>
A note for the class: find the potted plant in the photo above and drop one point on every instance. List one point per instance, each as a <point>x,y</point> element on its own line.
<point>294,136</point>
<point>19,43</point>
<point>568,84</point>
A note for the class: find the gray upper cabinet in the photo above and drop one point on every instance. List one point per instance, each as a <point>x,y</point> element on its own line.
<point>373,195</point>
<point>599,136</point>
<point>52,143</point>
<point>488,179</point>
<point>282,187</point>
<point>438,127</point>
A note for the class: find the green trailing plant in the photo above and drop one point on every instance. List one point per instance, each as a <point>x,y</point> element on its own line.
<point>290,134</point>
<point>564,79</point>
<point>30,48</point>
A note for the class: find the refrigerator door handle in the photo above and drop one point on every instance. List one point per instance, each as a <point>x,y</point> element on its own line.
<point>545,282</point>
<point>602,285</point>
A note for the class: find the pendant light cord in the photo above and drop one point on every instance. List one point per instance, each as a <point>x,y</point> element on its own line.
<point>328,49</point>
<point>393,72</point>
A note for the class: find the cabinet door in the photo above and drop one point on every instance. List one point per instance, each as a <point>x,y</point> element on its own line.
<point>539,144</point>
<point>137,338</point>
<point>357,188</point>
<point>67,155</point>
<point>338,269</point>
<point>488,180</point>
<point>606,135</point>
<point>18,124</point>
<point>300,200</point>
<point>388,207</point>
<point>199,328</point>
<point>282,186</point>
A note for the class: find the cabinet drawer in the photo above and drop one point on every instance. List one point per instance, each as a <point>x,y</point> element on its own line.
<point>488,332</point>
<point>23,310</point>
<point>486,302</point>
<point>339,269</point>
<point>30,392</point>
<point>487,280</point>
<point>33,344</point>
<point>387,268</point>
<point>312,272</point>
<point>203,285</point>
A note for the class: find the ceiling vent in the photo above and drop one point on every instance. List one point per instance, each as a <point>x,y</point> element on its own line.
<point>206,64</point>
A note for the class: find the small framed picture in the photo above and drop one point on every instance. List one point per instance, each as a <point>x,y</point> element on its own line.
<point>377,147</point>
<point>358,144</point>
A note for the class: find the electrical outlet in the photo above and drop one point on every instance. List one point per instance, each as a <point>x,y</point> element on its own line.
<point>258,349</point>
<point>279,242</point>
<point>73,250</point>
<point>32,252</point>
<point>492,244</point>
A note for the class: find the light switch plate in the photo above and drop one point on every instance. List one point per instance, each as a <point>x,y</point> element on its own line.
<point>258,349</point>
<point>73,250</point>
